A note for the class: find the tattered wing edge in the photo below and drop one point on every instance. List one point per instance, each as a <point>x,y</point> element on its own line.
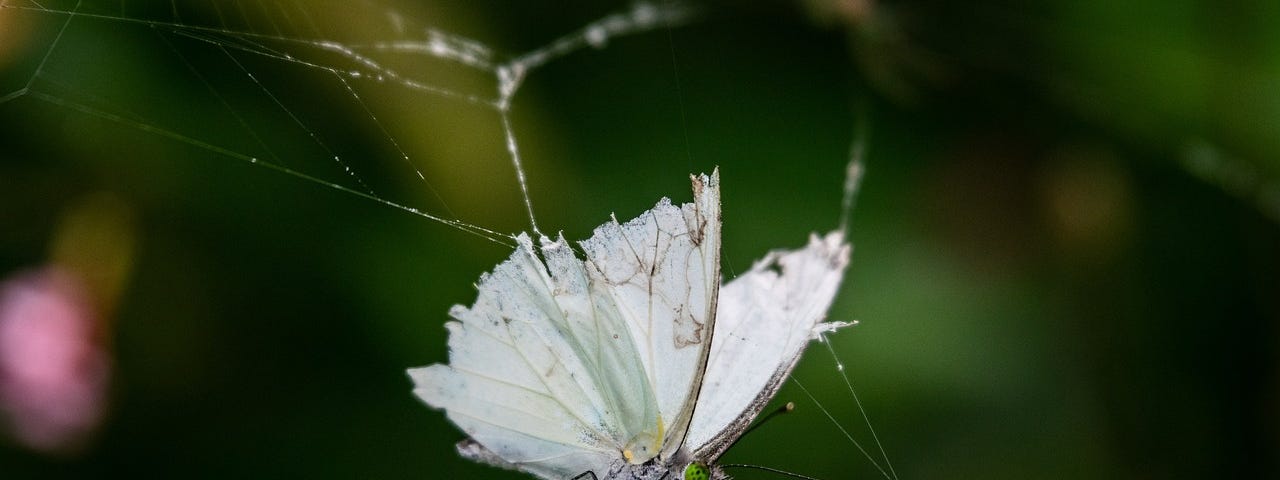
<point>701,182</point>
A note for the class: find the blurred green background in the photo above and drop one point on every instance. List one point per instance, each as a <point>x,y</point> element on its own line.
<point>1067,257</point>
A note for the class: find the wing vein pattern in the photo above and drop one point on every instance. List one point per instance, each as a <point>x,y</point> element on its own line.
<point>566,365</point>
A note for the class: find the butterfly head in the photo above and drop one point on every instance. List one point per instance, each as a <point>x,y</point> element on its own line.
<point>697,471</point>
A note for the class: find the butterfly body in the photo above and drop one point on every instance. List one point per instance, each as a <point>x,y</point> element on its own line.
<point>656,470</point>
<point>632,363</point>
<point>682,467</point>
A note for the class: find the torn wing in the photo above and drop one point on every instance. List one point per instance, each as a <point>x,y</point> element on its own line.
<point>663,272</point>
<point>533,366</point>
<point>547,369</point>
<point>766,318</point>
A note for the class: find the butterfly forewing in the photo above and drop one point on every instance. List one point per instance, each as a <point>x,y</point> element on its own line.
<point>564,366</point>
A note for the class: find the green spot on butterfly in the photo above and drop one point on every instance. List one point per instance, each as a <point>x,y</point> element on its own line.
<point>697,471</point>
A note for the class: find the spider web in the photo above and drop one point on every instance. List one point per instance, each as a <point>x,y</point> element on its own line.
<point>463,73</point>
<point>439,113</point>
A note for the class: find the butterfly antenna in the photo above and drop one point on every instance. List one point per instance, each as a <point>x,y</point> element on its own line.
<point>770,470</point>
<point>855,169</point>
<point>865,418</point>
<point>790,406</point>
<point>842,430</point>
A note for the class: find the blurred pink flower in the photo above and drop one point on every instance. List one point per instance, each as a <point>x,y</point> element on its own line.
<point>53,368</point>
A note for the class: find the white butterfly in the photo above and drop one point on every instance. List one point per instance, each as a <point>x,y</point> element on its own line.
<point>633,363</point>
